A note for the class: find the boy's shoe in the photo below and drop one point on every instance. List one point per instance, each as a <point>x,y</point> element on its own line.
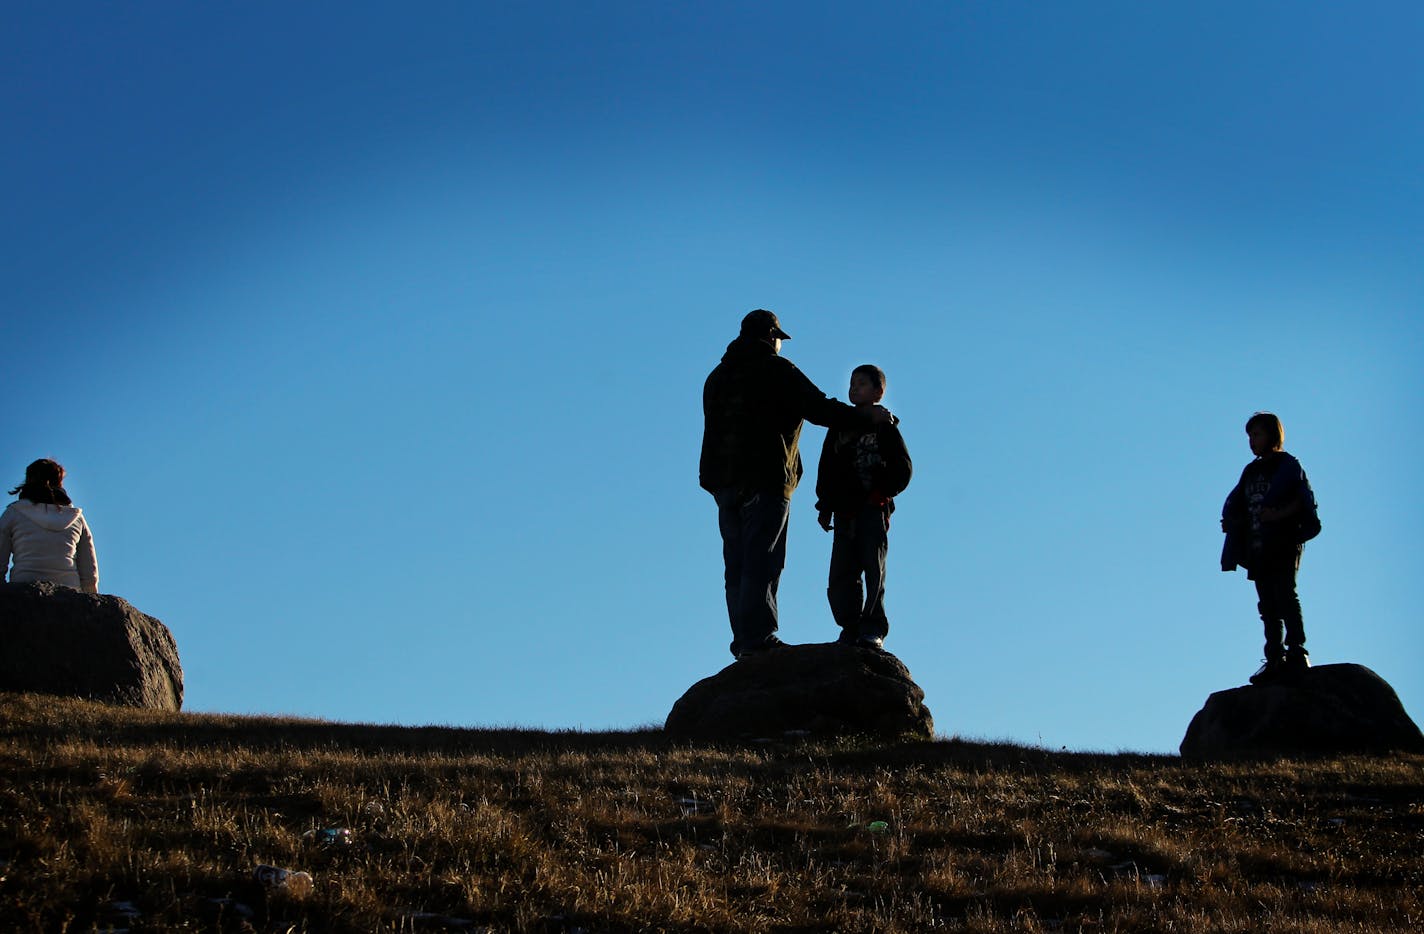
<point>870,642</point>
<point>1270,671</point>
<point>1297,663</point>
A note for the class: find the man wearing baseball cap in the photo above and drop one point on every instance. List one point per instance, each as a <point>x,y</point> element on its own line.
<point>753,405</point>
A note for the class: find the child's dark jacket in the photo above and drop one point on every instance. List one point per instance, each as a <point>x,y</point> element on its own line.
<point>861,467</point>
<point>1274,481</point>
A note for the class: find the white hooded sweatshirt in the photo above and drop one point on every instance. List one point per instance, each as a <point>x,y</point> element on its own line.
<point>48,543</point>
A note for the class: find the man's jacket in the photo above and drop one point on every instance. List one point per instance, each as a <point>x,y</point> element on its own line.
<point>753,405</point>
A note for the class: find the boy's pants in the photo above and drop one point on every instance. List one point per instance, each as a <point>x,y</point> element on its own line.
<point>753,552</point>
<point>859,549</point>
<point>1279,605</point>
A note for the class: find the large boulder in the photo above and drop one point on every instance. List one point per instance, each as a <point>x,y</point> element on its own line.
<point>1329,710</point>
<point>54,640</point>
<point>820,689</point>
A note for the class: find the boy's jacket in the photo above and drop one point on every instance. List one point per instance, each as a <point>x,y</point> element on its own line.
<point>860,467</point>
<point>1273,481</point>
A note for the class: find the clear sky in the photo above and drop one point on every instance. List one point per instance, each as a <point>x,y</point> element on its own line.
<point>373,335</point>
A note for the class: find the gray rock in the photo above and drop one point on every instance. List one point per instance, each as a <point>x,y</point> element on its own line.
<point>1329,710</point>
<point>821,689</point>
<point>54,640</point>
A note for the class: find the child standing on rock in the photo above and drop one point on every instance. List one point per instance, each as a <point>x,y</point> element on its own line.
<point>1268,518</point>
<point>861,470</point>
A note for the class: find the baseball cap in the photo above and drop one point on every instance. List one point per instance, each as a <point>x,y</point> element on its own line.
<point>760,321</point>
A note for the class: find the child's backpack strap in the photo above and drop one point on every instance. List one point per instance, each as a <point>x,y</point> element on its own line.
<point>1308,518</point>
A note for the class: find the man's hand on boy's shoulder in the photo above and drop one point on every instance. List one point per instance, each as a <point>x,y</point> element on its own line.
<point>880,415</point>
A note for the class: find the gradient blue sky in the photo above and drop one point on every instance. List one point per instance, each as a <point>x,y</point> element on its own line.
<point>373,335</point>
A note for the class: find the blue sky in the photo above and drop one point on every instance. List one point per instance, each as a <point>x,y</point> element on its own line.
<point>373,337</point>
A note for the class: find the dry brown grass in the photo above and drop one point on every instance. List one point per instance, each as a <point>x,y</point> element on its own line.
<point>122,820</point>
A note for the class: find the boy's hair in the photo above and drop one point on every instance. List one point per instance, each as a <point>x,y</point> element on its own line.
<point>873,373</point>
<point>1271,424</point>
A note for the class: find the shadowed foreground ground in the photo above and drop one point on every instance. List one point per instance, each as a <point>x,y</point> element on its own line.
<point>130,820</point>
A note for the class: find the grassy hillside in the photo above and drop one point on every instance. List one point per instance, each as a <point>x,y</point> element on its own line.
<point>125,820</point>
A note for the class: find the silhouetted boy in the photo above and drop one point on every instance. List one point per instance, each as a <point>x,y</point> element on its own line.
<point>1268,518</point>
<point>861,470</point>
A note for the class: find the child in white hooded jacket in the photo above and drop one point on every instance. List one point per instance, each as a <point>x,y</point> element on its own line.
<point>45,534</point>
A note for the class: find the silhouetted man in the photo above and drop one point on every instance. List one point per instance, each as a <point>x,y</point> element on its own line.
<point>753,405</point>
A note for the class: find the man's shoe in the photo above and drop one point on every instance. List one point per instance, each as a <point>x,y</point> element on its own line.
<point>766,645</point>
<point>1270,671</point>
<point>870,642</point>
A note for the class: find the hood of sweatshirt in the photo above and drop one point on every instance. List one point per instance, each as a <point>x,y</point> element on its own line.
<point>745,348</point>
<point>46,516</point>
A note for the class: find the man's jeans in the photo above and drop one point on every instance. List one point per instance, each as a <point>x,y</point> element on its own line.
<point>754,552</point>
<point>858,550</point>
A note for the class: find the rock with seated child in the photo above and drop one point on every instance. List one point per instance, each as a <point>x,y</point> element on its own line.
<point>61,641</point>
